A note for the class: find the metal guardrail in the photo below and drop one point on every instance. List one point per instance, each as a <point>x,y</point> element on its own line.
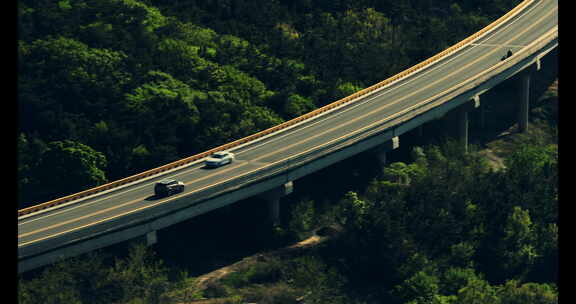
<point>301,159</point>
<point>289,165</point>
<point>281,126</point>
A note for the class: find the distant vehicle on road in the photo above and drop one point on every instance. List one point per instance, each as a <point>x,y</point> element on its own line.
<point>168,187</point>
<point>219,159</point>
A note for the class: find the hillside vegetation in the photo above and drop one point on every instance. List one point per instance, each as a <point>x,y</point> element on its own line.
<point>110,88</point>
<point>443,229</point>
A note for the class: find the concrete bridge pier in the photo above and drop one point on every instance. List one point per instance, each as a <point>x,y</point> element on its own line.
<point>483,117</point>
<point>386,147</point>
<point>151,238</point>
<point>524,102</point>
<point>524,108</point>
<point>463,127</point>
<point>463,120</point>
<point>272,198</point>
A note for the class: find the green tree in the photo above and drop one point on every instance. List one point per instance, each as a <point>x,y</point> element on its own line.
<point>519,250</point>
<point>528,293</point>
<point>346,89</point>
<point>64,84</point>
<point>68,166</point>
<point>121,24</point>
<point>321,282</point>
<point>402,174</point>
<point>140,276</point>
<point>223,120</point>
<point>546,268</point>
<point>520,201</point>
<point>357,210</point>
<point>30,151</point>
<point>297,105</point>
<point>302,218</point>
<point>172,106</point>
<point>532,180</point>
<point>421,288</point>
<point>478,292</point>
<point>75,280</point>
<point>454,279</point>
<point>462,254</point>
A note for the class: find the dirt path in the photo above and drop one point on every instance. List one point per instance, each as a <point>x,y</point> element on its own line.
<point>204,280</point>
<point>494,151</point>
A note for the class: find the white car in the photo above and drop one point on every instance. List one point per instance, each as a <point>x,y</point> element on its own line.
<point>219,159</point>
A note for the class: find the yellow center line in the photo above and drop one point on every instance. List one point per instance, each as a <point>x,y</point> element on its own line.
<point>405,96</point>
<point>125,204</point>
<point>377,122</point>
<point>499,45</point>
<point>128,212</point>
<point>274,152</point>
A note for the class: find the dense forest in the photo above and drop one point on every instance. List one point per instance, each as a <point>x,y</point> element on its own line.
<point>444,228</point>
<point>110,88</point>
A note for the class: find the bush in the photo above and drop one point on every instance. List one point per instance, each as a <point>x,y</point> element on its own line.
<point>302,219</point>
<point>259,273</point>
<point>280,293</point>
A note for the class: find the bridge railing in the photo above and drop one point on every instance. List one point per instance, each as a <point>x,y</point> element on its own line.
<point>374,129</point>
<point>338,103</point>
<point>287,169</point>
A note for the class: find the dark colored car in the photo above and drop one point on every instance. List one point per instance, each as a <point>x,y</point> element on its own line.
<point>168,187</point>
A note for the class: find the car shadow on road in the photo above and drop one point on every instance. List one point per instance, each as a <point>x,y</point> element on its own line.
<point>153,197</point>
<point>207,168</point>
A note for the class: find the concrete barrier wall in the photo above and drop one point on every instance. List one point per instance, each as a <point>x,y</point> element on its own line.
<point>254,183</point>
<point>418,67</point>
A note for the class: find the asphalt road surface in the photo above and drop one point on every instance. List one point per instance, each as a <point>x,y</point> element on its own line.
<point>484,53</point>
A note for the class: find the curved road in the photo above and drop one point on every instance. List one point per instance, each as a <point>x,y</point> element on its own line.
<point>484,53</point>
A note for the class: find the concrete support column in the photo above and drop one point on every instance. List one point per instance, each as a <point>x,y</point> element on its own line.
<point>483,117</point>
<point>524,103</point>
<point>274,210</point>
<point>381,155</point>
<point>390,145</point>
<point>272,198</point>
<point>462,120</point>
<point>421,131</point>
<point>463,128</point>
<point>475,101</point>
<point>151,238</point>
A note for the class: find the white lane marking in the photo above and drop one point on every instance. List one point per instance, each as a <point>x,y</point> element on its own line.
<point>138,200</point>
<point>270,164</point>
<point>146,183</point>
<point>367,99</point>
<point>280,137</point>
<point>378,94</point>
<point>120,214</point>
<point>498,45</point>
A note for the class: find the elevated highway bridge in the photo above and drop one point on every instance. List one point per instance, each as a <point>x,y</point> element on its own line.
<point>267,162</point>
